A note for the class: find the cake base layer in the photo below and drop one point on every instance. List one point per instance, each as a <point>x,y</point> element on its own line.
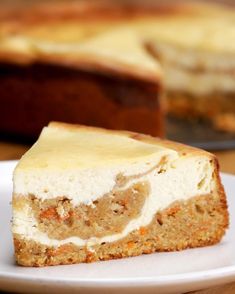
<point>219,108</point>
<point>200,221</point>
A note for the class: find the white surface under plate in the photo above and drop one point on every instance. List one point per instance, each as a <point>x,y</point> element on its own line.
<point>174,272</point>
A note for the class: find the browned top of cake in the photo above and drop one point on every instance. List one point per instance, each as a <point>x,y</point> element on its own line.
<point>117,52</point>
<point>181,149</point>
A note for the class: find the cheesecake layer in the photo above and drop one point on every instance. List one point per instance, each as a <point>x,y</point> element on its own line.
<point>83,164</point>
<point>199,83</point>
<point>194,71</point>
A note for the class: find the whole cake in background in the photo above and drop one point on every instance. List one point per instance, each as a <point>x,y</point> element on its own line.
<point>85,194</point>
<point>97,63</point>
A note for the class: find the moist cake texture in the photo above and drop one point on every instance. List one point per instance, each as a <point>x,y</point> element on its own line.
<point>84,194</point>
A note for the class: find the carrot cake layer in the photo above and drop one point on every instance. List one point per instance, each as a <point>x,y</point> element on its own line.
<point>89,193</point>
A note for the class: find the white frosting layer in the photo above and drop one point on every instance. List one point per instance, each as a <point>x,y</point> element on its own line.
<point>82,164</point>
<point>183,179</point>
<point>80,186</point>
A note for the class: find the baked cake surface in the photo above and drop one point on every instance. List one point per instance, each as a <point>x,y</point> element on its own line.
<point>84,194</point>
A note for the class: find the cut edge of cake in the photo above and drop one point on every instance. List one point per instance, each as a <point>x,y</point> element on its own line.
<point>163,197</point>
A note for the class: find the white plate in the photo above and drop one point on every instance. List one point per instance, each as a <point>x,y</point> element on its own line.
<point>156,273</point>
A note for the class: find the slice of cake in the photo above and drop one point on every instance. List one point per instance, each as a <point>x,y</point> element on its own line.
<point>85,194</point>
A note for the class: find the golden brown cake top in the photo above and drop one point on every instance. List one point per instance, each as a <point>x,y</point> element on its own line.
<point>118,51</point>
<point>65,146</point>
